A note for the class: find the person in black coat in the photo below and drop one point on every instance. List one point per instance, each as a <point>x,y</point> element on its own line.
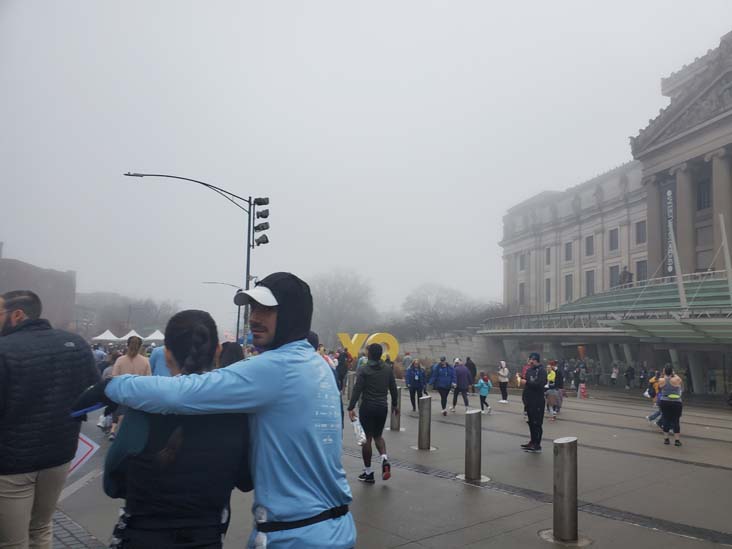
<point>176,473</point>
<point>470,365</point>
<point>42,371</point>
<point>534,400</point>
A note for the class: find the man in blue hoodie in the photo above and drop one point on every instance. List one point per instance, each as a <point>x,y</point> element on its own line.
<point>301,494</point>
<point>443,379</point>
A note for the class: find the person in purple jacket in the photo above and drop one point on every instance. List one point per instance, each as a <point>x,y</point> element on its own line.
<point>464,380</point>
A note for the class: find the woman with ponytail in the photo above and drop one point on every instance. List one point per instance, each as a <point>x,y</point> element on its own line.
<point>177,472</point>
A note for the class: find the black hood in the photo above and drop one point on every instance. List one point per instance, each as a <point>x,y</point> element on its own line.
<point>294,307</point>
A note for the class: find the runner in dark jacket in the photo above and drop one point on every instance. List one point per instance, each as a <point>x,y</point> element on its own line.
<point>374,381</point>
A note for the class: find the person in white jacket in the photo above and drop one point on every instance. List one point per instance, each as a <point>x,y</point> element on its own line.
<point>503,375</point>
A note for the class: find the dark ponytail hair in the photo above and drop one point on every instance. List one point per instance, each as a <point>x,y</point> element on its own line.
<point>192,338</point>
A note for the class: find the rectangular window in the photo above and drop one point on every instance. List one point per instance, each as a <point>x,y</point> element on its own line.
<point>568,288</point>
<point>548,256</point>
<point>522,294</point>
<point>703,194</point>
<point>640,232</point>
<point>704,260</point>
<point>704,236</point>
<point>614,275</point>
<point>641,270</point>
<point>522,262</point>
<point>613,239</point>
<point>589,282</point>
<point>568,251</point>
<point>548,290</point>
<point>589,246</point>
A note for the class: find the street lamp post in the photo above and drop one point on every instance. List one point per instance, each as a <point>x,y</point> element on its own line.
<point>250,208</point>
<point>238,307</point>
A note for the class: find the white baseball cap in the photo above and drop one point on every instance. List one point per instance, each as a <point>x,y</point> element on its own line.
<point>260,294</point>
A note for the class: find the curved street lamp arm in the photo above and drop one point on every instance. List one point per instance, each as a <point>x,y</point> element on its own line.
<point>219,190</point>
<point>222,284</point>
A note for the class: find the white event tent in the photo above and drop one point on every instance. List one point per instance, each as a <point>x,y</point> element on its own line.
<point>106,336</point>
<point>130,334</point>
<point>157,335</point>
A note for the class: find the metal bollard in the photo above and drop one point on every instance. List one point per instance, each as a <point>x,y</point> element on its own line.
<point>565,489</point>
<point>425,423</point>
<point>395,420</point>
<point>473,445</point>
<point>350,382</point>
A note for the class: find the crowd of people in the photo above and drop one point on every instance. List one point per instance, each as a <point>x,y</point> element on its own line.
<point>238,420</point>
<point>168,409</point>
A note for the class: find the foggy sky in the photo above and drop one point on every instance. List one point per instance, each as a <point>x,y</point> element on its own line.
<point>390,136</point>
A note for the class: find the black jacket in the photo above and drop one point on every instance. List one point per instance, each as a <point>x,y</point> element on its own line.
<point>193,486</point>
<point>374,380</point>
<point>42,372</point>
<point>535,382</point>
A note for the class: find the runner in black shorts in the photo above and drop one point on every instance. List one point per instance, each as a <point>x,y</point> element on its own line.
<point>374,381</point>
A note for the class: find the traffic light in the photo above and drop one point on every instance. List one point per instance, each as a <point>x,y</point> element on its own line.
<point>264,214</point>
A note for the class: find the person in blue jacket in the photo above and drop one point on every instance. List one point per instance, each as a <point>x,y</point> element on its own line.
<point>301,493</point>
<point>484,386</point>
<point>443,379</point>
<point>415,380</point>
<point>157,362</point>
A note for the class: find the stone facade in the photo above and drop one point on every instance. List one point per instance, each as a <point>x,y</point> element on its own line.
<point>560,246</point>
<point>686,152</point>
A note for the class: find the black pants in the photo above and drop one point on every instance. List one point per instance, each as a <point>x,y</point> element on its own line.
<point>483,403</point>
<point>463,392</point>
<point>504,389</point>
<point>443,396</point>
<point>670,416</point>
<point>535,411</point>
<point>412,392</point>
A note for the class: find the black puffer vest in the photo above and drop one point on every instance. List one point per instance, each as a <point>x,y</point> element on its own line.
<point>42,372</point>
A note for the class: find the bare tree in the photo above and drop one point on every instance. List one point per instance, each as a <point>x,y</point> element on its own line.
<point>432,309</point>
<point>342,302</point>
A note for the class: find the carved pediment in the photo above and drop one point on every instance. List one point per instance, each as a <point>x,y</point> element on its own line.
<point>699,93</point>
<point>714,100</point>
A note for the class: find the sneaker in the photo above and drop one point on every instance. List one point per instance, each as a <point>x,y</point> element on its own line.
<point>483,412</point>
<point>524,446</point>
<point>112,436</point>
<point>503,401</point>
<point>677,443</point>
<point>666,441</point>
<point>444,412</point>
<point>368,479</point>
<point>452,410</point>
<point>533,449</point>
<point>489,409</point>
<point>385,471</point>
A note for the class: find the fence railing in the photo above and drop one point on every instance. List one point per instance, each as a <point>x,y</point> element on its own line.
<point>569,320</point>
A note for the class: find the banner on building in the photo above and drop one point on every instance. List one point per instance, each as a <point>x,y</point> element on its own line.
<point>668,219</point>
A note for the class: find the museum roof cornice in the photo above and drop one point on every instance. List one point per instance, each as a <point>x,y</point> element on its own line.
<point>700,92</point>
